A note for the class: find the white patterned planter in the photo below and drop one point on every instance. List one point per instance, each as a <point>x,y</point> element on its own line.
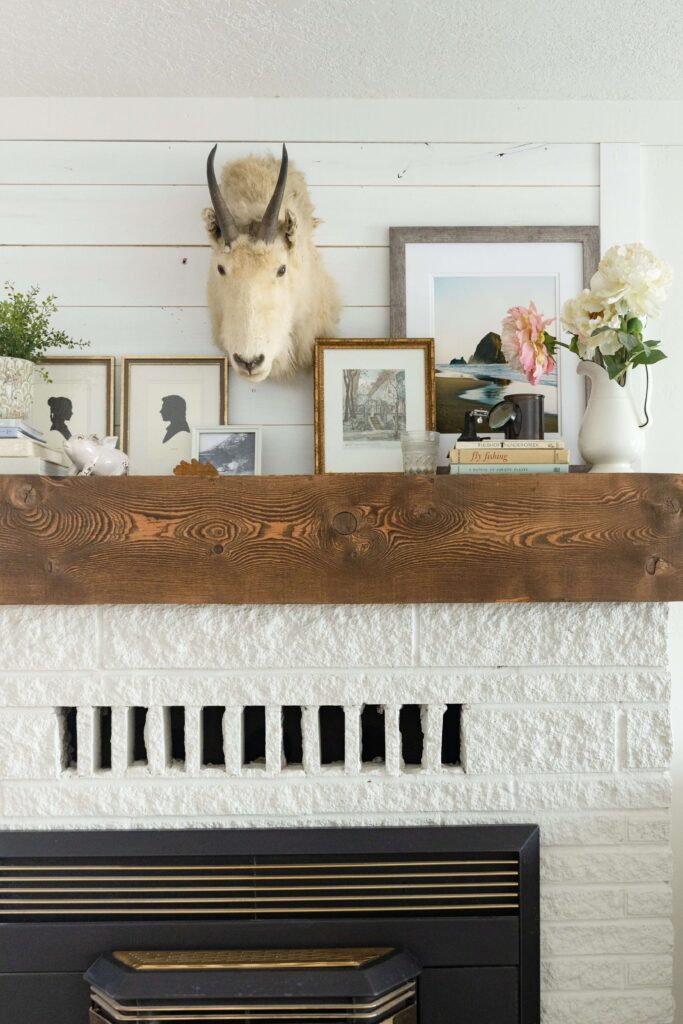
<point>16,387</point>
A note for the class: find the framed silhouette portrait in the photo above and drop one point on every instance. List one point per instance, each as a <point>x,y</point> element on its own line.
<point>78,398</point>
<point>162,399</point>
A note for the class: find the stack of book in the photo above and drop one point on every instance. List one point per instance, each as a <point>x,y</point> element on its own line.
<point>509,457</point>
<point>23,450</point>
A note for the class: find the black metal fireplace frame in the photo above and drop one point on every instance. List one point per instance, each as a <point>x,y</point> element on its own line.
<point>481,958</point>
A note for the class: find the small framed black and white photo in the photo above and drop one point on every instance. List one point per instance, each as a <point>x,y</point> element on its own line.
<point>78,398</point>
<point>233,451</point>
<point>162,399</point>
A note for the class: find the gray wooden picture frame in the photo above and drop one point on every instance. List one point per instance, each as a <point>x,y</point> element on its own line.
<point>587,235</point>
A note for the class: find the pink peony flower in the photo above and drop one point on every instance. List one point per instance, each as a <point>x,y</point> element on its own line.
<point>524,345</point>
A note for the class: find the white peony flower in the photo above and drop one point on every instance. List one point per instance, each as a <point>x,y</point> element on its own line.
<point>632,279</point>
<point>583,315</point>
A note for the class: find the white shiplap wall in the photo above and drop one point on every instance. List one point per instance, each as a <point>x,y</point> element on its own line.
<point>113,228</point>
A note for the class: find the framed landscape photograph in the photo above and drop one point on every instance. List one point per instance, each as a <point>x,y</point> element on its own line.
<point>233,451</point>
<point>78,398</point>
<point>162,399</point>
<point>367,391</point>
<point>457,284</point>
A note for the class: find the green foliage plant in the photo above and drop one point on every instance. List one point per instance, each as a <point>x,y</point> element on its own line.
<point>26,331</point>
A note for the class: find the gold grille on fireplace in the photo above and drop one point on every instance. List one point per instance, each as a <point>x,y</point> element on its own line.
<point>375,986</point>
<point>391,1009</point>
<point>247,959</point>
<point>426,885</point>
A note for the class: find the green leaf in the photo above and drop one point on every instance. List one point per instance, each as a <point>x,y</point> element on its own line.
<point>550,343</point>
<point>629,341</point>
<point>648,358</point>
<point>614,367</point>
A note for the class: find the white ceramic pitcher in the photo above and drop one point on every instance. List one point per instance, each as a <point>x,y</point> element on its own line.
<point>610,438</point>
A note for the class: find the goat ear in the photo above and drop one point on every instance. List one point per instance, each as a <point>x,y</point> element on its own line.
<point>290,228</point>
<point>211,225</point>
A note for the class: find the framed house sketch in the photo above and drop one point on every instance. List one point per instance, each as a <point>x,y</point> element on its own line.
<point>367,391</point>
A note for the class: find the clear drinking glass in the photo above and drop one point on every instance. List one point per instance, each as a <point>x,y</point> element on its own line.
<point>420,451</point>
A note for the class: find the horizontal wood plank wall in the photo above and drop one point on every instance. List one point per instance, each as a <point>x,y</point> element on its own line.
<point>113,228</point>
<point>377,538</point>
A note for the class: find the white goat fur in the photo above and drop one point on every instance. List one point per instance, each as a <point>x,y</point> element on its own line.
<point>254,312</point>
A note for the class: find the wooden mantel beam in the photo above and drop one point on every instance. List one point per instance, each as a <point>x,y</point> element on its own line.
<point>347,539</point>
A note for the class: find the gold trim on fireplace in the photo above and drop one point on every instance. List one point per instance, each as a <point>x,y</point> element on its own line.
<point>258,883</point>
<point>450,885</point>
<point>408,1015</point>
<point>209,900</point>
<point>404,990</point>
<point>257,867</point>
<point>252,889</point>
<point>146,911</point>
<point>283,1011</point>
<point>242,910</point>
<point>247,959</point>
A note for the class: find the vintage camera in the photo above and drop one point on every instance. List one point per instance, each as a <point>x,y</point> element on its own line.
<point>519,417</point>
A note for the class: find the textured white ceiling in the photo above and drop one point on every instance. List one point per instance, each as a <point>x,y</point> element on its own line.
<point>500,49</point>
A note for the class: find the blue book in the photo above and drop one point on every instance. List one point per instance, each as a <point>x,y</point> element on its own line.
<point>17,428</point>
<point>518,467</point>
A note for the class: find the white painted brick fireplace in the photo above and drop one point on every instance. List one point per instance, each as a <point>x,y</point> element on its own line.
<point>563,719</point>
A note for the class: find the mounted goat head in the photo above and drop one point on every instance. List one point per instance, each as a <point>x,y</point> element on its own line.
<point>269,293</point>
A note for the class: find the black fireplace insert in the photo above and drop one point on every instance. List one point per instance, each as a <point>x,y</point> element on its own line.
<point>462,903</point>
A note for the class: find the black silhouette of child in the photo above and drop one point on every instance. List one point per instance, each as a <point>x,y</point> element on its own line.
<point>61,410</point>
<point>174,411</point>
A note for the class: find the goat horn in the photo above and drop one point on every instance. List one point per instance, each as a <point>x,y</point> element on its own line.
<point>268,227</point>
<point>226,221</point>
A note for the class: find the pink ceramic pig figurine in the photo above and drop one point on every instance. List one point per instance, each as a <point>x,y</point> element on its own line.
<point>92,457</point>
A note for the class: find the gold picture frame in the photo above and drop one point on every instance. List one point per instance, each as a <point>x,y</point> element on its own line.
<point>108,365</point>
<point>423,346</point>
<point>218,415</point>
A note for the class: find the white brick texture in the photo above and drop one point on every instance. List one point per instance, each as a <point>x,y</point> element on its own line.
<point>654,972</point>
<point>543,634</point>
<point>29,744</point>
<point>564,739</point>
<point>228,637</point>
<point>648,733</point>
<point>580,973</point>
<point>564,720</point>
<point>613,1008</point>
<point>47,638</point>
<point>613,937</point>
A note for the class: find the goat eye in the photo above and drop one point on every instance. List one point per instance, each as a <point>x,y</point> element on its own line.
<point>281,270</point>
<point>221,268</point>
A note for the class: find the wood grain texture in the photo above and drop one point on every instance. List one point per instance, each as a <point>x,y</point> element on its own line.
<point>171,214</point>
<point>167,276</point>
<point>324,163</point>
<point>341,538</point>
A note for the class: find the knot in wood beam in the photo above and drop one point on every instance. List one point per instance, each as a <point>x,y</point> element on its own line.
<point>344,523</point>
<point>656,566</point>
